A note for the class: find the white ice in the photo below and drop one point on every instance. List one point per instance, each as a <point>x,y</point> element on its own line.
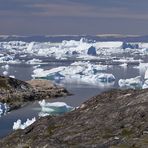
<point>71,48</point>
<point>19,125</point>
<point>132,83</point>
<point>5,73</point>
<point>4,108</point>
<point>78,71</point>
<point>55,107</point>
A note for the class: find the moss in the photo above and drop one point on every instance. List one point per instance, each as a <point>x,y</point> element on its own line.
<point>3,84</point>
<point>145,140</point>
<point>50,129</point>
<point>126,133</point>
<point>121,146</point>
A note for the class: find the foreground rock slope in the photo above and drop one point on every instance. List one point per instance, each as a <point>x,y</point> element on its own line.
<point>16,92</point>
<point>112,119</point>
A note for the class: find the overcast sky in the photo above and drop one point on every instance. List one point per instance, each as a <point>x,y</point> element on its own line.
<point>54,17</point>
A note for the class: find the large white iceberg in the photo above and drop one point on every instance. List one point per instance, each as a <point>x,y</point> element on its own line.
<point>132,83</point>
<point>54,108</point>
<point>19,125</point>
<point>77,71</point>
<point>82,48</point>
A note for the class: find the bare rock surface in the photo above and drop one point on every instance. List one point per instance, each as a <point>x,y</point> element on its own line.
<point>16,92</point>
<point>116,119</point>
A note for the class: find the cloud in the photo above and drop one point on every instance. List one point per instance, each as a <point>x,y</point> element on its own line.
<point>82,16</point>
<point>74,8</point>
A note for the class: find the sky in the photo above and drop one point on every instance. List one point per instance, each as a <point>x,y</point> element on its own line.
<point>73,17</point>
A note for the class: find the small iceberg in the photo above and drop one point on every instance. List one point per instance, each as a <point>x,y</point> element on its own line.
<point>34,61</point>
<point>124,65</point>
<point>19,125</point>
<point>5,73</point>
<point>132,83</point>
<point>146,74</point>
<point>105,77</point>
<point>145,85</point>
<point>54,108</point>
<point>4,108</point>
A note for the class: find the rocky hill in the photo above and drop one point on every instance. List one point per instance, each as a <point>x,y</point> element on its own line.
<point>117,119</point>
<point>16,92</point>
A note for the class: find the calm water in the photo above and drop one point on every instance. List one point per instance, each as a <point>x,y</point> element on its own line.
<point>81,92</point>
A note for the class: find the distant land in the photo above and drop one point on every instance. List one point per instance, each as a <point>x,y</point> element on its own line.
<point>59,38</point>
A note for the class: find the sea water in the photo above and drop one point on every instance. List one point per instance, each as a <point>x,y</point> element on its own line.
<point>81,92</point>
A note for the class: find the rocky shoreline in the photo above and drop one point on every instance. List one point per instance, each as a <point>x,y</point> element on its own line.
<point>117,119</point>
<point>16,92</point>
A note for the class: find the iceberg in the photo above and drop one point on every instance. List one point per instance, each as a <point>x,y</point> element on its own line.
<point>55,107</point>
<point>105,77</point>
<point>4,108</point>
<point>145,85</point>
<point>81,49</point>
<point>5,66</point>
<point>124,65</point>
<point>78,71</point>
<point>5,73</point>
<point>19,125</point>
<point>146,74</point>
<point>34,61</point>
<point>132,83</point>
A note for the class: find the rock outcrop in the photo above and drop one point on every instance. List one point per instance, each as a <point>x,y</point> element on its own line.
<point>16,92</point>
<point>112,119</point>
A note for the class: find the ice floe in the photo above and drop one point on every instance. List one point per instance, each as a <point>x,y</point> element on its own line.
<point>132,83</point>
<point>54,108</point>
<point>5,73</point>
<point>19,125</point>
<point>78,71</point>
<point>34,61</point>
<point>4,108</point>
<point>72,48</point>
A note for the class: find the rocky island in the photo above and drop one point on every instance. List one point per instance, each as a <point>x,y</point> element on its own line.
<point>16,92</point>
<point>117,119</point>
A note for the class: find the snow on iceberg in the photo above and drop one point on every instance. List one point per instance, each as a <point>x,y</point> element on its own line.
<point>108,45</point>
<point>124,65</point>
<point>105,77</point>
<point>54,108</point>
<point>145,85</point>
<point>5,66</point>
<point>34,61</point>
<point>19,125</point>
<point>78,71</point>
<point>132,83</point>
<point>5,73</point>
<point>146,74</point>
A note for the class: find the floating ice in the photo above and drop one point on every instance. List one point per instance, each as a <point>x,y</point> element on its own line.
<point>4,108</point>
<point>5,73</point>
<point>82,49</point>
<point>145,85</point>
<point>124,65</point>
<point>11,76</point>
<point>132,83</point>
<point>55,107</point>
<point>81,71</point>
<point>5,66</point>
<point>128,60</point>
<point>34,61</point>
<point>105,77</point>
<point>19,125</point>
<point>146,74</point>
